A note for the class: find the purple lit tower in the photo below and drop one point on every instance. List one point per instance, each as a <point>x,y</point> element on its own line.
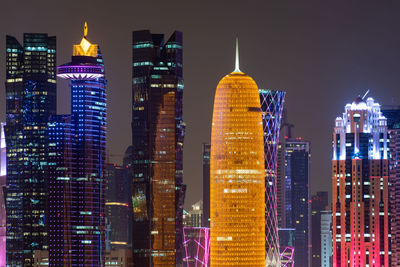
<point>77,144</point>
<point>197,246</point>
<point>271,106</point>
<point>2,197</point>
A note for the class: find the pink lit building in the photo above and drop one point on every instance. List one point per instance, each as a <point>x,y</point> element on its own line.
<point>360,200</point>
<point>197,246</point>
<point>2,197</point>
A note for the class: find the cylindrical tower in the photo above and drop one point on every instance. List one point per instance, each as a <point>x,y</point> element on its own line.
<point>237,174</point>
<point>78,199</point>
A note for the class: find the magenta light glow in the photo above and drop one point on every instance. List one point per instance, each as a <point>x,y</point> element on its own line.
<point>287,257</point>
<point>196,241</point>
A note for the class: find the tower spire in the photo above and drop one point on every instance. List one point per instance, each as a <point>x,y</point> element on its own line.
<point>237,57</point>
<point>85,30</point>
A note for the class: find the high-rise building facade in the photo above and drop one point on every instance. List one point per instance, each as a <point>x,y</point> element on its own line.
<point>271,106</point>
<point>237,181</point>
<point>393,123</point>
<point>77,164</point>
<point>30,101</point>
<point>157,135</point>
<point>194,217</point>
<point>297,200</point>
<point>319,203</point>
<point>360,197</point>
<point>119,206</point>
<point>3,183</point>
<point>206,184</point>
<point>326,238</point>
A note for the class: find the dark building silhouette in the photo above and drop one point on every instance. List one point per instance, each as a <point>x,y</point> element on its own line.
<point>77,164</point>
<point>319,202</point>
<point>206,184</point>
<point>297,157</point>
<point>293,194</point>
<point>30,100</point>
<point>118,206</point>
<point>392,115</point>
<point>157,141</point>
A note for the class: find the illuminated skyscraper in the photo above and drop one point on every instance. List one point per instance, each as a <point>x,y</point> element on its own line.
<point>77,164</point>
<point>271,106</point>
<point>3,170</point>
<point>360,173</point>
<point>30,101</point>
<point>237,183</point>
<point>157,135</point>
<point>393,123</point>
<point>206,185</point>
<point>119,205</point>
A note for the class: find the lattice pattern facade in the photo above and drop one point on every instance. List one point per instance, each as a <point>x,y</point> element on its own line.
<point>272,106</point>
<point>287,257</point>
<point>196,241</point>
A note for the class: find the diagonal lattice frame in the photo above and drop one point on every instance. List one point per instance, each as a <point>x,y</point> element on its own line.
<point>271,106</point>
<point>287,257</point>
<point>196,241</point>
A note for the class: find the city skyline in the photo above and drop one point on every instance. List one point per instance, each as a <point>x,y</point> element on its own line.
<point>304,50</point>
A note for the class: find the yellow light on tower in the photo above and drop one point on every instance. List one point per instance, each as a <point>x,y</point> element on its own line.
<point>237,173</point>
<point>85,48</point>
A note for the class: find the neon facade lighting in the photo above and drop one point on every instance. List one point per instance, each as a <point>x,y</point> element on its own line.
<point>272,102</point>
<point>196,241</point>
<point>360,196</point>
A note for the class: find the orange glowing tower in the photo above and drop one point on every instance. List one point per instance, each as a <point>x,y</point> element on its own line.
<point>237,174</point>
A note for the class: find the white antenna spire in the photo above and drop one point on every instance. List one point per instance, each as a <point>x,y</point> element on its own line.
<point>237,57</point>
<point>366,93</point>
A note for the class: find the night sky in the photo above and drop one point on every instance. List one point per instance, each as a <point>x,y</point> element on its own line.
<point>323,53</point>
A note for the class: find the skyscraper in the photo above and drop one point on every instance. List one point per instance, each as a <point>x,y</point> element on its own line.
<point>237,181</point>
<point>206,185</point>
<point>3,182</point>
<point>119,205</point>
<point>297,201</point>
<point>157,135</point>
<point>360,200</point>
<point>77,163</point>
<point>326,238</point>
<point>30,100</point>
<point>393,124</point>
<point>194,217</point>
<point>271,106</point>
<point>319,202</point>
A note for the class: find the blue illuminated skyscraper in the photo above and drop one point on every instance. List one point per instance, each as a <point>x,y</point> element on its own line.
<point>77,164</point>
<point>30,100</point>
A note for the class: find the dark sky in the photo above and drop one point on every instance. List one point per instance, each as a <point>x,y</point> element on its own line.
<point>323,53</point>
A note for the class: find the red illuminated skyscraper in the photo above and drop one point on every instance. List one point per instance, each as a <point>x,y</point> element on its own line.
<point>361,229</point>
